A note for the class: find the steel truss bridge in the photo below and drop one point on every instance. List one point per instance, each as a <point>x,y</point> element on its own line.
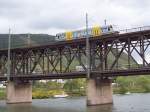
<point>123,54</point>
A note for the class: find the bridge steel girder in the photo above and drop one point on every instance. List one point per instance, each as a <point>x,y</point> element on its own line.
<point>108,53</point>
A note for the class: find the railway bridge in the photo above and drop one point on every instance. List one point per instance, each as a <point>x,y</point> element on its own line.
<point>124,54</point>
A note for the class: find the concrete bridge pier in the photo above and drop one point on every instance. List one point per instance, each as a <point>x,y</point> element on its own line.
<point>99,91</point>
<point>19,92</point>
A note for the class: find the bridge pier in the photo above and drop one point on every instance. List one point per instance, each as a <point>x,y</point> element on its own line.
<point>19,92</point>
<point>99,91</point>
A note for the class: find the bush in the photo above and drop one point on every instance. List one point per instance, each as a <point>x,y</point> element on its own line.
<point>2,94</point>
<point>41,94</point>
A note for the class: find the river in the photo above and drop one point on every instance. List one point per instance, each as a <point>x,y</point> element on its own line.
<point>122,103</point>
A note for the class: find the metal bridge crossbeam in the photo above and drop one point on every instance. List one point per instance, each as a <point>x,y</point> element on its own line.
<point>108,53</point>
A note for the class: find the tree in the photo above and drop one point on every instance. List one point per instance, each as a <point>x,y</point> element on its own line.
<point>74,85</point>
<point>144,83</point>
<point>124,84</point>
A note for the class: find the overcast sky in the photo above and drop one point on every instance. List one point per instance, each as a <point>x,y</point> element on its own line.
<point>53,16</point>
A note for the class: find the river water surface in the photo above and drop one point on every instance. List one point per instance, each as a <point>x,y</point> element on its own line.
<point>122,103</point>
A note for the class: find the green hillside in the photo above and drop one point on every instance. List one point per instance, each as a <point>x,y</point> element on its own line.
<point>22,40</point>
<point>122,63</point>
<point>123,60</point>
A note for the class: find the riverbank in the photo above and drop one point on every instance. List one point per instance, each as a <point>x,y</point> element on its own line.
<point>2,94</point>
<point>122,91</point>
<point>77,87</point>
<point>42,94</point>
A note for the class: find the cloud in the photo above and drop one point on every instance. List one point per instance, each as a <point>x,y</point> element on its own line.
<point>49,16</point>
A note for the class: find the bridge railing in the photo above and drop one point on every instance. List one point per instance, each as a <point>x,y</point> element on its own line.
<point>144,28</point>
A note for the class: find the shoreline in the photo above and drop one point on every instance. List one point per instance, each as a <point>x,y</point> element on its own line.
<point>70,95</point>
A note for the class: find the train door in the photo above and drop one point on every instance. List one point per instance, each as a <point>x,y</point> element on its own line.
<point>96,31</point>
<point>69,35</point>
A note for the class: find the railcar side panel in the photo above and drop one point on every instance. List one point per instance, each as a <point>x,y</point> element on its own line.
<point>96,31</point>
<point>68,35</point>
<point>92,32</point>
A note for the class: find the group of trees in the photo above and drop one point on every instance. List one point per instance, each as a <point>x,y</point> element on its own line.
<point>67,85</point>
<point>74,87</point>
<point>77,87</point>
<point>132,84</point>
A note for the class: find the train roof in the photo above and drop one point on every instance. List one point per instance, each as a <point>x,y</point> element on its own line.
<point>84,29</point>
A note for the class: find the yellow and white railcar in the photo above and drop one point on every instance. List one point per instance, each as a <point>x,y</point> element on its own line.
<point>92,32</point>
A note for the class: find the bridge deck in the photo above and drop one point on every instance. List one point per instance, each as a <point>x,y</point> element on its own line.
<point>109,38</point>
<point>113,73</point>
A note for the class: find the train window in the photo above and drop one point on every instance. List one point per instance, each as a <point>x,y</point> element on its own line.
<point>89,32</point>
<point>104,30</point>
<point>63,36</point>
<point>74,35</point>
<point>84,32</point>
<point>79,34</point>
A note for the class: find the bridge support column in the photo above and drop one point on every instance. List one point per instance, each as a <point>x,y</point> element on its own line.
<point>99,91</point>
<point>19,92</point>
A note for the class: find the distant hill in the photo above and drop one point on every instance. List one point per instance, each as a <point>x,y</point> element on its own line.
<point>22,40</point>
<point>122,62</point>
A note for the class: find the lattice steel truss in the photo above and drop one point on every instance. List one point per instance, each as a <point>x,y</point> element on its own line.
<point>108,53</point>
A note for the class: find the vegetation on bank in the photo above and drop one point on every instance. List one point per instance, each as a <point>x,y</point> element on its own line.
<point>46,89</point>
<point>2,93</point>
<point>134,84</point>
<point>77,87</point>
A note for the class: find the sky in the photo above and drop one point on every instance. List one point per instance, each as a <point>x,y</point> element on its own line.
<point>54,16</point>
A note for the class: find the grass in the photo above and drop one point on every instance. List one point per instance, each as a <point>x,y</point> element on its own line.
<point>42,93</point>
<point>2,94</point>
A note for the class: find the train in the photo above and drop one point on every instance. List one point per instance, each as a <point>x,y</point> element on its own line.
<point>92,32</point>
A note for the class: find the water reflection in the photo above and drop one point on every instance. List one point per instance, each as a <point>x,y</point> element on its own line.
<point>24,107</point>
<point>101,108</point>
<point>50,105</point>
<point>122,103</point>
